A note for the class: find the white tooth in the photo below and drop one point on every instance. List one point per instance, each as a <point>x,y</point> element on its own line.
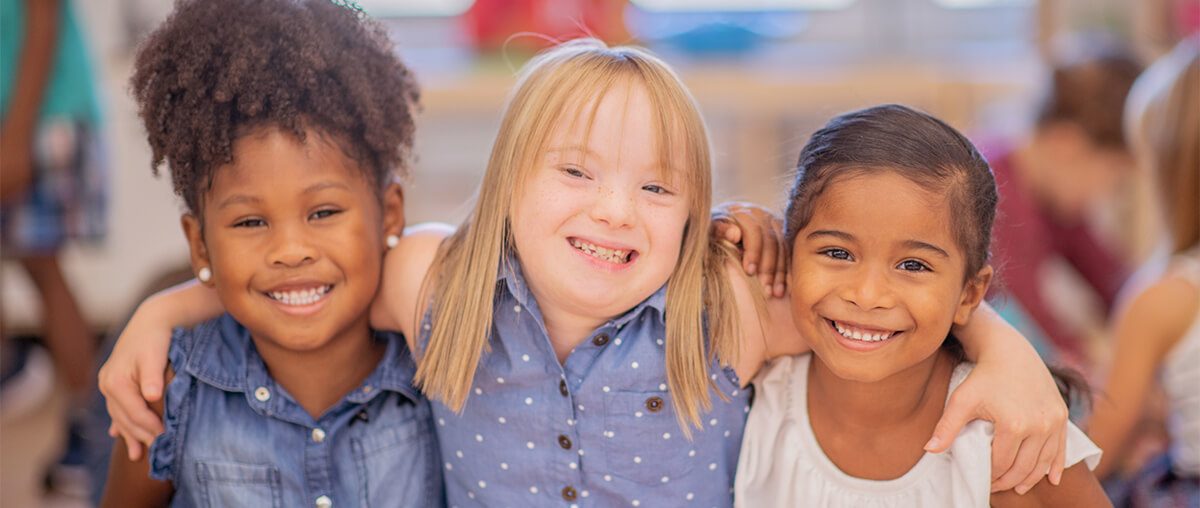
<point>873,337</point>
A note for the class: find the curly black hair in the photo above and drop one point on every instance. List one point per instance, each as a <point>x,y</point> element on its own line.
<point>217,69</point>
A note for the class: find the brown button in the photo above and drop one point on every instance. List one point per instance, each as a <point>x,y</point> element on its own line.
<point>600,340</point>
<point>564,442</point>
<point>562,387</point>
<point>569,493</point>
<point>654,404</point>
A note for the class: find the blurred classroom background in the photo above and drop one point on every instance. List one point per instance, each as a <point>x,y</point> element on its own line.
<point>765,72</point>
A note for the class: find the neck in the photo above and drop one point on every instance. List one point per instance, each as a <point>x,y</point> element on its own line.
<point>567,329</point>
<point>899,400</point>
<point>344,362</point>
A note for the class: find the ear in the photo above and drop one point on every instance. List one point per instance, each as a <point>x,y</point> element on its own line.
<point>196,247</point>
<point>972,295</point>
<point>393,210</point>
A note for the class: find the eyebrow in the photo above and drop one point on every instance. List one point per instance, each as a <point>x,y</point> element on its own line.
<point>919,245</point>
<point>238,199</point>
<point>911,244</point>
<point>573,148</point>
<point>830,232</point>
<point>320,186</point>
<point>245,199</point>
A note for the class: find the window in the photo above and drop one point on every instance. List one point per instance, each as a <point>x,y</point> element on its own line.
<point>414,8</point>
<point>739,5</point>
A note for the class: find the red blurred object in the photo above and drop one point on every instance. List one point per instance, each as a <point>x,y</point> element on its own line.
<point>491,24</point>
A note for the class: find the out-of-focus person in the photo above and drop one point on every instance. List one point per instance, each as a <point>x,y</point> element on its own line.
<point>52,190</point>
<point>1158,333</point>
<point>1072,161</point>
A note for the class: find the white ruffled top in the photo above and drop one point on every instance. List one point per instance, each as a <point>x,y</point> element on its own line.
<point>782,464</point>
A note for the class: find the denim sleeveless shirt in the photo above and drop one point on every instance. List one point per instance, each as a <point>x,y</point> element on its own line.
<point>597,430</point>
<point>233,437</point>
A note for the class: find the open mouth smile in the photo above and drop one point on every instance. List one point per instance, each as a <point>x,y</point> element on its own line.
<point>862,334</point>
<point>616,256</point>
<point>299,297</point>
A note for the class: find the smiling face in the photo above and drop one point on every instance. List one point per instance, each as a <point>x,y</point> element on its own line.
<point>293,234</point>
<point>599,222</point>
<point>878,276</point>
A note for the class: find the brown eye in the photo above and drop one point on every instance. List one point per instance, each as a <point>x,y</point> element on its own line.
<point>912,265</point>
<point>841,254</point>
<point>325,213</point>
<point>250,223</point>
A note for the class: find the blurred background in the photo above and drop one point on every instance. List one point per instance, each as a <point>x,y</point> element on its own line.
<point>766,74</point>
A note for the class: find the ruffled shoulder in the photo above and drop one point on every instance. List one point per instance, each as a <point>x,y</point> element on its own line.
<point>167,447</point>
<point>972,452</point>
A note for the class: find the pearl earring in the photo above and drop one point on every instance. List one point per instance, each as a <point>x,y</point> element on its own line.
<point>204,274</point>
<point>392,241</point>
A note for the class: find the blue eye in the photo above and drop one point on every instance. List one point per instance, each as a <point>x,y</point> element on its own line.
<point>321,214</point>
<point>841,254</point>
<point>912,265</point>
<point>250,223</point>
<point>656,189</point>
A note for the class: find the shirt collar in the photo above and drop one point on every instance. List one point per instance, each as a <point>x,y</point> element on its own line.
<point>225,357</point>
<point>512,276</point>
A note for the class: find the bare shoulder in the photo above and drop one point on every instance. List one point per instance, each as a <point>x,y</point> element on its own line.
<point>765,324</point>
<point>405,269</point>
<point>1164,310</point>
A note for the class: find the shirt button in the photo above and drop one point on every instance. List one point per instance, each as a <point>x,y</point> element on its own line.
<point>562,387</point>
<point>262,394</point>
<point>654,404</point>
<point>318,436</point>
<point>564,442</point>
<point>324,502</point>
<point>600,340</point>
<point>569,493</point>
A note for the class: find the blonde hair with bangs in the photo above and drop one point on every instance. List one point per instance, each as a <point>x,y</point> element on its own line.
<point>559,82</point>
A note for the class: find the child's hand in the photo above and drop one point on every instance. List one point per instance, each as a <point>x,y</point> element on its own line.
<point>133,375</point>
<point>1012,388</point>
<point>759,235</point>
<point>134,372</point>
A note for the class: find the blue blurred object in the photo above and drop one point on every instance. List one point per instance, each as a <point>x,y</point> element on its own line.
<point>714,34</point>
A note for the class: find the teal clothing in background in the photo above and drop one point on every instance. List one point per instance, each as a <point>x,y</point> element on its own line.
<point>70,93</point>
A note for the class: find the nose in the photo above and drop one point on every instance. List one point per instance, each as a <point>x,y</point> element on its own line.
<point>290,247</point>
<point>613,207</point>
<point>870,288</point>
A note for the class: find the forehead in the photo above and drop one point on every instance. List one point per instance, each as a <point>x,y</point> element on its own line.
<point>623,125</point>
<point>273,157</point>
<point>271,163</point>
<point>883,206</point>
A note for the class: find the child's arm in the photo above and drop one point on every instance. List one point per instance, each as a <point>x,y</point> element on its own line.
<point>129,483</point>
<point>1145,332</point>
<point>132,374</point>
<point>398,304</point>
<point>1078,487</point>
<point>1012,388</point>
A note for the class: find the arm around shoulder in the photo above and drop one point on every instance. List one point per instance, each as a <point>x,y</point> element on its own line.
<point>405,267</point>
<point>765,325</point>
